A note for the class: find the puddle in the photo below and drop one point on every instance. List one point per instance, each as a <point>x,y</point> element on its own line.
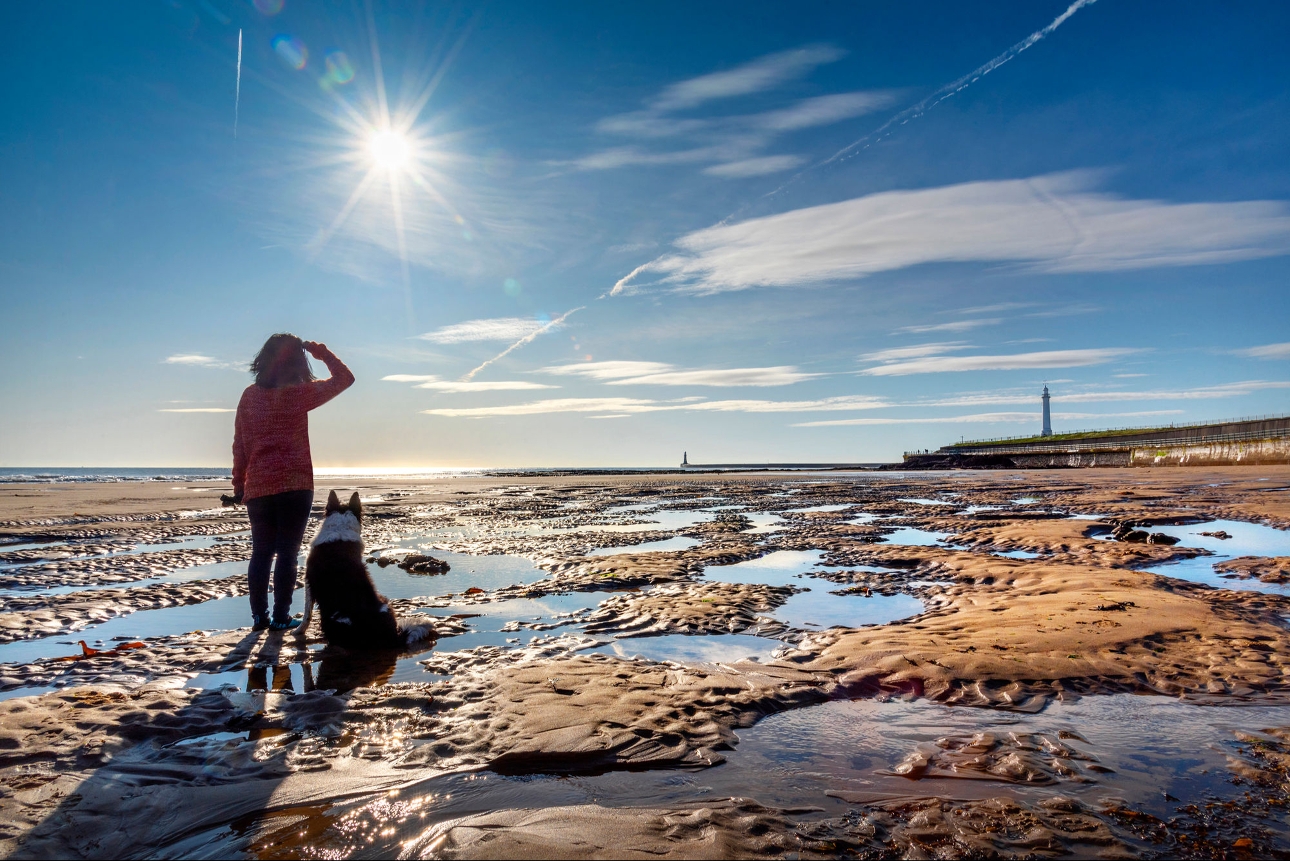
<point>687,649</point>
<point>917,501</point>
<point>795,759</point>
<point>819,508</point>
<point>973,509</point>
<point>1016,554</point>
<point>817,608</point>
<point>1084,517</point>
<point>1025,500</point>
<point>912,537</point>
<point>763,522</point>
<point>8,548</point>
<point>1248,539</point>
<point>465,571</point>
<point>680,542</point>
<point>222,614</point>
<point>486,626</point>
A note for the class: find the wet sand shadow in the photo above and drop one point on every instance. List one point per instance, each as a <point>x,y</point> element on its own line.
<point>224,756</point>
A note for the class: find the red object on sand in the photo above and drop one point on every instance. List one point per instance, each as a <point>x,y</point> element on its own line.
<point>87,652</point>
<point>271,433</point>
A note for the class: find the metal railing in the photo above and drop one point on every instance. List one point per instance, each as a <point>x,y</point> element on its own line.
<point>1172,426</point>
<point>1075,445</point>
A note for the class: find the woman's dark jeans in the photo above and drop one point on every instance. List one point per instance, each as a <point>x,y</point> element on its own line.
<point>277,527</point>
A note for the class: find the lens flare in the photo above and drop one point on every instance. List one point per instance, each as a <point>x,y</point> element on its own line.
<point>267,7</point>
<point>390,149</point>
<point>292,51</point>
<point>339,69</point>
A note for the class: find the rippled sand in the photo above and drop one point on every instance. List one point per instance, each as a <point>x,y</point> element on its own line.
<point>943,665</point>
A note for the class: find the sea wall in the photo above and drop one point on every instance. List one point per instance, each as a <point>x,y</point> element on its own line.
<point>1252,452</point>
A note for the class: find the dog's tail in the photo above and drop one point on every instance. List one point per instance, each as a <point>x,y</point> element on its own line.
<point>417,630</point>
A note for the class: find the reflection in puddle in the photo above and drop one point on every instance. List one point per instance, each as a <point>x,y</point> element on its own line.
<point>805,757</point>
<point>817,608</point>
<point>912,537</point>
<point>1247,539</point>
<point>687,649</point>
<point>680,542</point>
<point>1016,554</point>
<point>925,501</point>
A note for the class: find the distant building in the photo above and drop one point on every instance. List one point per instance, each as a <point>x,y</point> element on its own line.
<point>1048,418</point>
<point>685,458</point>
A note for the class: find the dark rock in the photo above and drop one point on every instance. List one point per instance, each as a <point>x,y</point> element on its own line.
<point>419,563</point>
<point>1135,536</point>
<point>1220,535</point>
<point>1161,538</point>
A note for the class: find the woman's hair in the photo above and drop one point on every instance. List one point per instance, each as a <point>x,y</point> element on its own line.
<point>281,362</point>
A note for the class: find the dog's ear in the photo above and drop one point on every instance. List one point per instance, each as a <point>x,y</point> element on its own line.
<point>333,503</point>
<point>355,505</point>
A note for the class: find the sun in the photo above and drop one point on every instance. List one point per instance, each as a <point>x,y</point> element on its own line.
<point>390,150</point>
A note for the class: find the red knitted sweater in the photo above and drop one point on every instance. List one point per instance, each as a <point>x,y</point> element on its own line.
<point>271,433</point>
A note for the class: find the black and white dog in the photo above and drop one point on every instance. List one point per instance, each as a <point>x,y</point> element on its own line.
<point>352,613</point>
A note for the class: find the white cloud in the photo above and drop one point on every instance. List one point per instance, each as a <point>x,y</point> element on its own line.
<point>495,329</point>
<point>778,376</point>
<point>430,381</point>
<point>753,77</point>
<point>955,326</point>
<point>199,410</point>
<point>612,416</point>
<point>825,110</point>
<point>982,417</point>
<point>1268,351</point>
<point>625,373</point>
<point>626,406</point>
<point>1054,224</point>
<point>615,370</point>
<point>198,361</point>
<point>837,404</point>
<point>913,352</point>
<point>754,166</point>
<point>1017,361</point>
<point>556,405</point>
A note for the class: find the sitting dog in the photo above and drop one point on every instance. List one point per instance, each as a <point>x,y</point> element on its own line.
<point>352,613</point>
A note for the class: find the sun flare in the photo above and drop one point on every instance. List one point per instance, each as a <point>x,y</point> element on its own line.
<point>390,149</point>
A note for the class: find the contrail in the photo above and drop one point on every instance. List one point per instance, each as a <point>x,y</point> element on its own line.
<point>910,113</point>
<point>237,96</point>
<point>962,83</point>
<point>522,341</point>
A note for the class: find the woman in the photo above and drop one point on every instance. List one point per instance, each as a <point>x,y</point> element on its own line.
<point>272,470</point>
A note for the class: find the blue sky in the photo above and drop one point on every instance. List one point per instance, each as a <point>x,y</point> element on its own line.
<point>820,232</point>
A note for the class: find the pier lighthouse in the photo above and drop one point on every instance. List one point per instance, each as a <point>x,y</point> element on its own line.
<point>1048,419</point>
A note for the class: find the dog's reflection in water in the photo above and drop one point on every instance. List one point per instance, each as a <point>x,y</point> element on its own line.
<point>336,669</point>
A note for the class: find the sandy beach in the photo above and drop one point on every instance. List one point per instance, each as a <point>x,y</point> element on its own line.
<point>1049,663</point>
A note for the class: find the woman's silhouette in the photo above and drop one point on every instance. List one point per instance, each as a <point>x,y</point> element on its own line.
<point>273,472</point>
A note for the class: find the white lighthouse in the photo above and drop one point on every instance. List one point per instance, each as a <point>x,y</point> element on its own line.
<point>1048,419</point>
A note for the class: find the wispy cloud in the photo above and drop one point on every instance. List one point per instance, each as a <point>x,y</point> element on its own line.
<point>1267,351</point>
<point>954,326</point>
<point>625,373</point>
<point>754,166</point>
<point>526,339</point>
<point>430,381</point>
<point>916,351</point>
<point>494,329</point>
<point>623,406</point>
<point>753,77</point>
<point>199,410</point>
<point>982,417</point>
<point>615,370</point>
<point>665,131</point>
<point>1016,361</point>
<point>1052,224</point>
<point>195,360</point>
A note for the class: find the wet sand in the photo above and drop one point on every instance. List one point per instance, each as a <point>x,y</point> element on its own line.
<point>509,734</point>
